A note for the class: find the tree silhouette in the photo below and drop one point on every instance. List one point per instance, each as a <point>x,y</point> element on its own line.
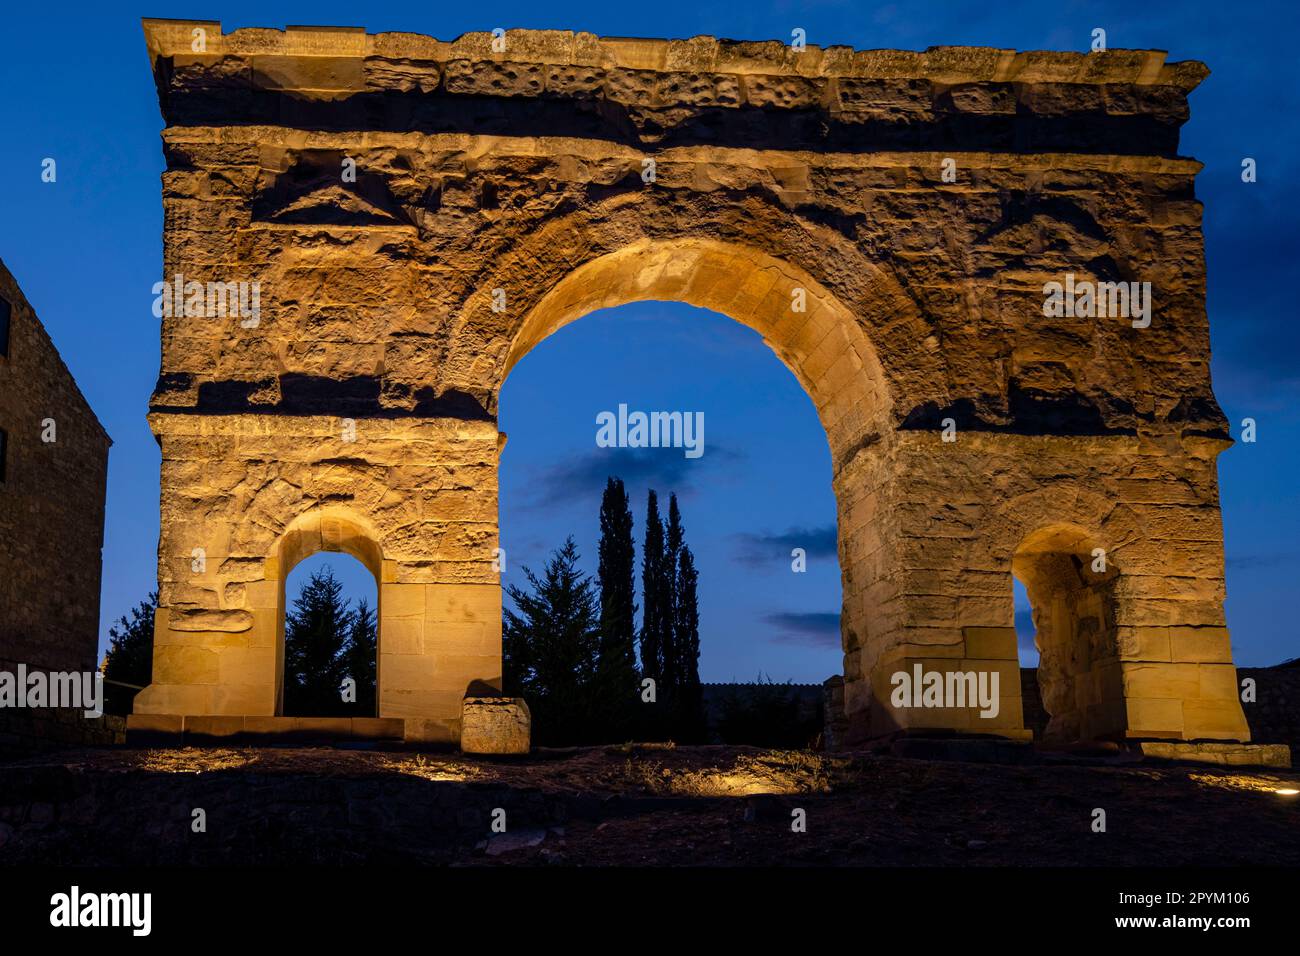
<point>616,690</point>
<point>568,644</point>
<point>361,655</point>
<point>671,654</point>
<point>129,659</point>
<point>690,707</point>
<point>616,577</point>
<point>652,615</point>
<point>670,628</point>
<point>551,650</point>
<point>324,642</point>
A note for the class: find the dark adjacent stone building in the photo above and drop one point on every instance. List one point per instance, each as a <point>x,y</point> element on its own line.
<point>53,469</point>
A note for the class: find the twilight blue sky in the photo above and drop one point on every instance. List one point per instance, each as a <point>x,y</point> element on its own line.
<point>87,249</point>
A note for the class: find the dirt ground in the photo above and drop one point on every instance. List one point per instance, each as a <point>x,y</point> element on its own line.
<point>634,805</point>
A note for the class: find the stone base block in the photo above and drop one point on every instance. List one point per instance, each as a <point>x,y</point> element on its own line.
<point>902,685</point>
<point>495,725</point>
<point>154,730</point>
<point>1224,754</point>
<point>172,730</point>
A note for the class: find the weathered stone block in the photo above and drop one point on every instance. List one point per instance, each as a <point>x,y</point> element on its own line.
<point>1148,717</point>
<point>495,725</point>
<point>1229,755</point>
<point>997,643</point>
<point>1203,644</point>
<point>431,730</point>
<point>213,726</point>
<point>1215,719</point>
<point>1162,680</point>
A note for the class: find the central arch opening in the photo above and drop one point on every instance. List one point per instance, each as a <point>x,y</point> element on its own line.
<point>752,488</point>
<point>824,346</point>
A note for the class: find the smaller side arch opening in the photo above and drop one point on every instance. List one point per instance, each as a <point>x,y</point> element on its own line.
<point>1070,581</point>
<point>321,533</point>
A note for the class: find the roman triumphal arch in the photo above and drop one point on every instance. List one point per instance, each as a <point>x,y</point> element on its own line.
<point>364,233</point>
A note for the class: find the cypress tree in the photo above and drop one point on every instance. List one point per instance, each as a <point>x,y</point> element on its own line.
<point>360,657</point>
<point>616,575</point>
<point>673,538</point>
<point>652,619</point>
<point>687,626</point>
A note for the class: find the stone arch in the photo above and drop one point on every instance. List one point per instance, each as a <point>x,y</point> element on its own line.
<point>824,347</point>
<point>737,253</point>
<point>1071,581</point>
<point>335,529</point>
<point>1064,505</point>
<point>926,300</point>
<point>329,529</point>
<point>830,351</point>
<point>1045,538</point>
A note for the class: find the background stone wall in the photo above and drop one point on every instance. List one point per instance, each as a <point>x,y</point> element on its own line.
<point>1274,715</point>
<point>51,524</point>
<point>51,503</point>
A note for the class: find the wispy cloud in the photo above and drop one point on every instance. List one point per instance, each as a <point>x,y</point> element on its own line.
<point>770,548</point>
<point>665,469</point>
<point>1255,561</point>
<point>808,628</point>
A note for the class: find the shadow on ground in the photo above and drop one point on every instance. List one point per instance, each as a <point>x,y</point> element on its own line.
<point>710,806</point>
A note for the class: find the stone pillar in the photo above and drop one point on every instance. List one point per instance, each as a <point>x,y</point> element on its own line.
<point>918,593</point>
<point>1118,541</point>
<point>247,497</point>
<point>1175,655</point>
<point>449,647</point>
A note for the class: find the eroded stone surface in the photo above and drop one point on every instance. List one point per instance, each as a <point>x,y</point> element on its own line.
<point>495,725</point>
<point>500,195</point>
<point>1228,755</point>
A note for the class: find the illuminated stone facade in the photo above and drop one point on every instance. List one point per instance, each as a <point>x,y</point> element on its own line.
<point>418,214</point>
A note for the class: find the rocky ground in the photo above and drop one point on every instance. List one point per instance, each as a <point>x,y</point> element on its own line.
<point>636,805</point>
